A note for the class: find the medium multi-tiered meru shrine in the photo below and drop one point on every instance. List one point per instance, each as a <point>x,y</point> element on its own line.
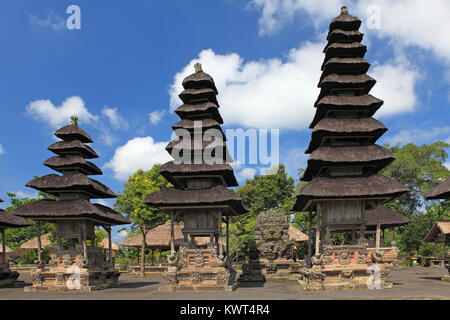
<point>342,171</point>
<point>76,263</point>
<point>200,190</point>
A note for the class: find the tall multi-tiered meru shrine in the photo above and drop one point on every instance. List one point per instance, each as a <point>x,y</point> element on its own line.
<point>201,175</point>
<point>343,167</point>
<point>76,263</point>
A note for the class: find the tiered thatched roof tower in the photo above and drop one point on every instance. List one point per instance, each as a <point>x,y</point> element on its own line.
<point>201,175</point>
<point>75,216</point>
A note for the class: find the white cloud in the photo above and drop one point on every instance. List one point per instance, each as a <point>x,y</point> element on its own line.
<point>418,136</point>
<point>156,116</point>
<point>123,233</point>
<point>246,173</point>
<point>51,20</point>
<point>114,117</point>
<point>2,150</point>
<point>101,201</point>
<point>26,194</point>
<point>44,110</point>
<point>138,153</point>
<point>447,164</point>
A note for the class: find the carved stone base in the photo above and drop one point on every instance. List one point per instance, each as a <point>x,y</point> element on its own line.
<point>8,279</point>
<point>281,270</point>
<point>446,278</point>
<point>338,277</point>
<point>199,279</point>
<point>53,279</point>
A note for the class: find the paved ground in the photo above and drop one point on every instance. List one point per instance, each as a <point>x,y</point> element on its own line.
<point>413,283</point>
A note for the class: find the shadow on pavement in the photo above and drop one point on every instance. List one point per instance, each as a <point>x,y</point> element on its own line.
<point>135,285</point>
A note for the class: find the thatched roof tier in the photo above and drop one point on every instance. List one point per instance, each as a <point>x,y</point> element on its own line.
<point>72,163</point>
<point>73,147</point>
<point>388,218</point>
<point>366,105</point>
<point>8,220</point>
<point>344,36</point>
<point>296,235</point>
<point>372,187</point>
<point>367,128</point>
<point>65,209</point>
<point>7,249</point>
<point>217,196</point>
<point>345,21</point>
<point>438,231</point>
<point>200,125</point>
<point>199,110</point>
<point>442,191</point>
<point>177,147</point>
<point>337,82</point>
<point>198,95</point>
<point>159,238</point>
<point>372,158</point>
<point>199,80</point>
<point>33,243</point>
<point>352,65</point>
<point>172,172</point>
<point>73,132</point>
<point>353,49</point>
<point>104,244</point>
<point>55,185</point>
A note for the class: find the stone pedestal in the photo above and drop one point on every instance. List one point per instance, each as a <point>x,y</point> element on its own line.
<point>8,278</point>
<point>344,267</point>
<point>198,270</point>
<point>69,271</point>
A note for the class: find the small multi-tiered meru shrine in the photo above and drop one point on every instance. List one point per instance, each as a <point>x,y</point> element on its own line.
<point>76,263</point>
<point>342,170</point>
<point>8,278</point>
<point>200,174</point>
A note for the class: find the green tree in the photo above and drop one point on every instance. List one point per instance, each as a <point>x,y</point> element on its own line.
<point>143,217</point>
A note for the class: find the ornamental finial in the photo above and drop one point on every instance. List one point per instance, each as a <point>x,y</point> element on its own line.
<point>74,120</point>
<point>198,67</point>
<point>344,10</point>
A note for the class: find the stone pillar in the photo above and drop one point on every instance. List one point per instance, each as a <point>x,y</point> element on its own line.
<point>39,242</point>
<point>4,247</point>
<point>318,215</point>
<point>220,235</point>
<point>110,248</point>
<point>172,235</point>
<point>377,240</point>
<point>85,251</point>
<point>310,239</point>
<point>228,236</point>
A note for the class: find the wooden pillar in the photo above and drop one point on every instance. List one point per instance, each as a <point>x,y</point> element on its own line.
<point>310,239</point>
<point>110,247</point>
<point>85,252</point>
<point>172,236</point>
<point>443,250</point>
<point>378,235</point>
<point>39,243</point>
<point>220,235</point>
<point>384,238</point>
<point>152,262</point>
<point>4,247</point>
<point>363,217</point>
<point>318,215</point>
<point>228,236</point>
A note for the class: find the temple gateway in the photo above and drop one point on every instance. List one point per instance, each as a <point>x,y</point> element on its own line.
<point>342,170</point>
<point>200,174</point>
<point>76,263</point>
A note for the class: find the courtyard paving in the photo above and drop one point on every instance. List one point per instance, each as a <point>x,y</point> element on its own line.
<point>412,283</point>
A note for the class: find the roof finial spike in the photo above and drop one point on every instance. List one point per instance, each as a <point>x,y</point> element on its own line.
<point>74,120</point>
<point>344,10</point>
<point>198,67</point>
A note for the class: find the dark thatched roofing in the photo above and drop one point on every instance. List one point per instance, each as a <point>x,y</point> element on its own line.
<point>355,49</point>
<point>192,95</point>
<point>370,155</point>
<point>345,21</point>
<point>338,81</point>
<point>170,169</point>
<point>375,186</point>
<point>365,103</point>
<point>442,191</point>
<point>64,163</point>
<point>80,208</point>
<point>365,127</point>
<point>388,218</point>
<point>200,125</point>
<point>8,220</point>
<point>159,237</point>
<point>55,184</point>
<point>199,80</point>
<point>344,36</point>
<point>352,65</point>
<point>73,147</point>
<point>178,146</point>
<point>34,245</point>
<point>438,229</point>
<point>195,110</point>
<point>73,132</point>
<point>214,196</point>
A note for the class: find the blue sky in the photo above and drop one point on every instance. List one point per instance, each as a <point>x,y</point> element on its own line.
<point>121,74</point>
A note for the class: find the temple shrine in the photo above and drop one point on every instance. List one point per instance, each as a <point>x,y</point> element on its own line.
<point>201,175</point>
<point>76,263</point>
<point>342,170</point>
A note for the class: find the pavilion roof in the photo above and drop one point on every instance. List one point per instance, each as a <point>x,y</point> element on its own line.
<point>199,80</point>
<point>297,235</point>
<point>7,249</point>
<point>8,220</point>
<point>73,147</point>
<point>105,245</point>
<point>439,228</point>
<point>73,132</point>
<point>388,218</point>
<point>33,243</point>
<point>441,191</point>
<point>73,162</point>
